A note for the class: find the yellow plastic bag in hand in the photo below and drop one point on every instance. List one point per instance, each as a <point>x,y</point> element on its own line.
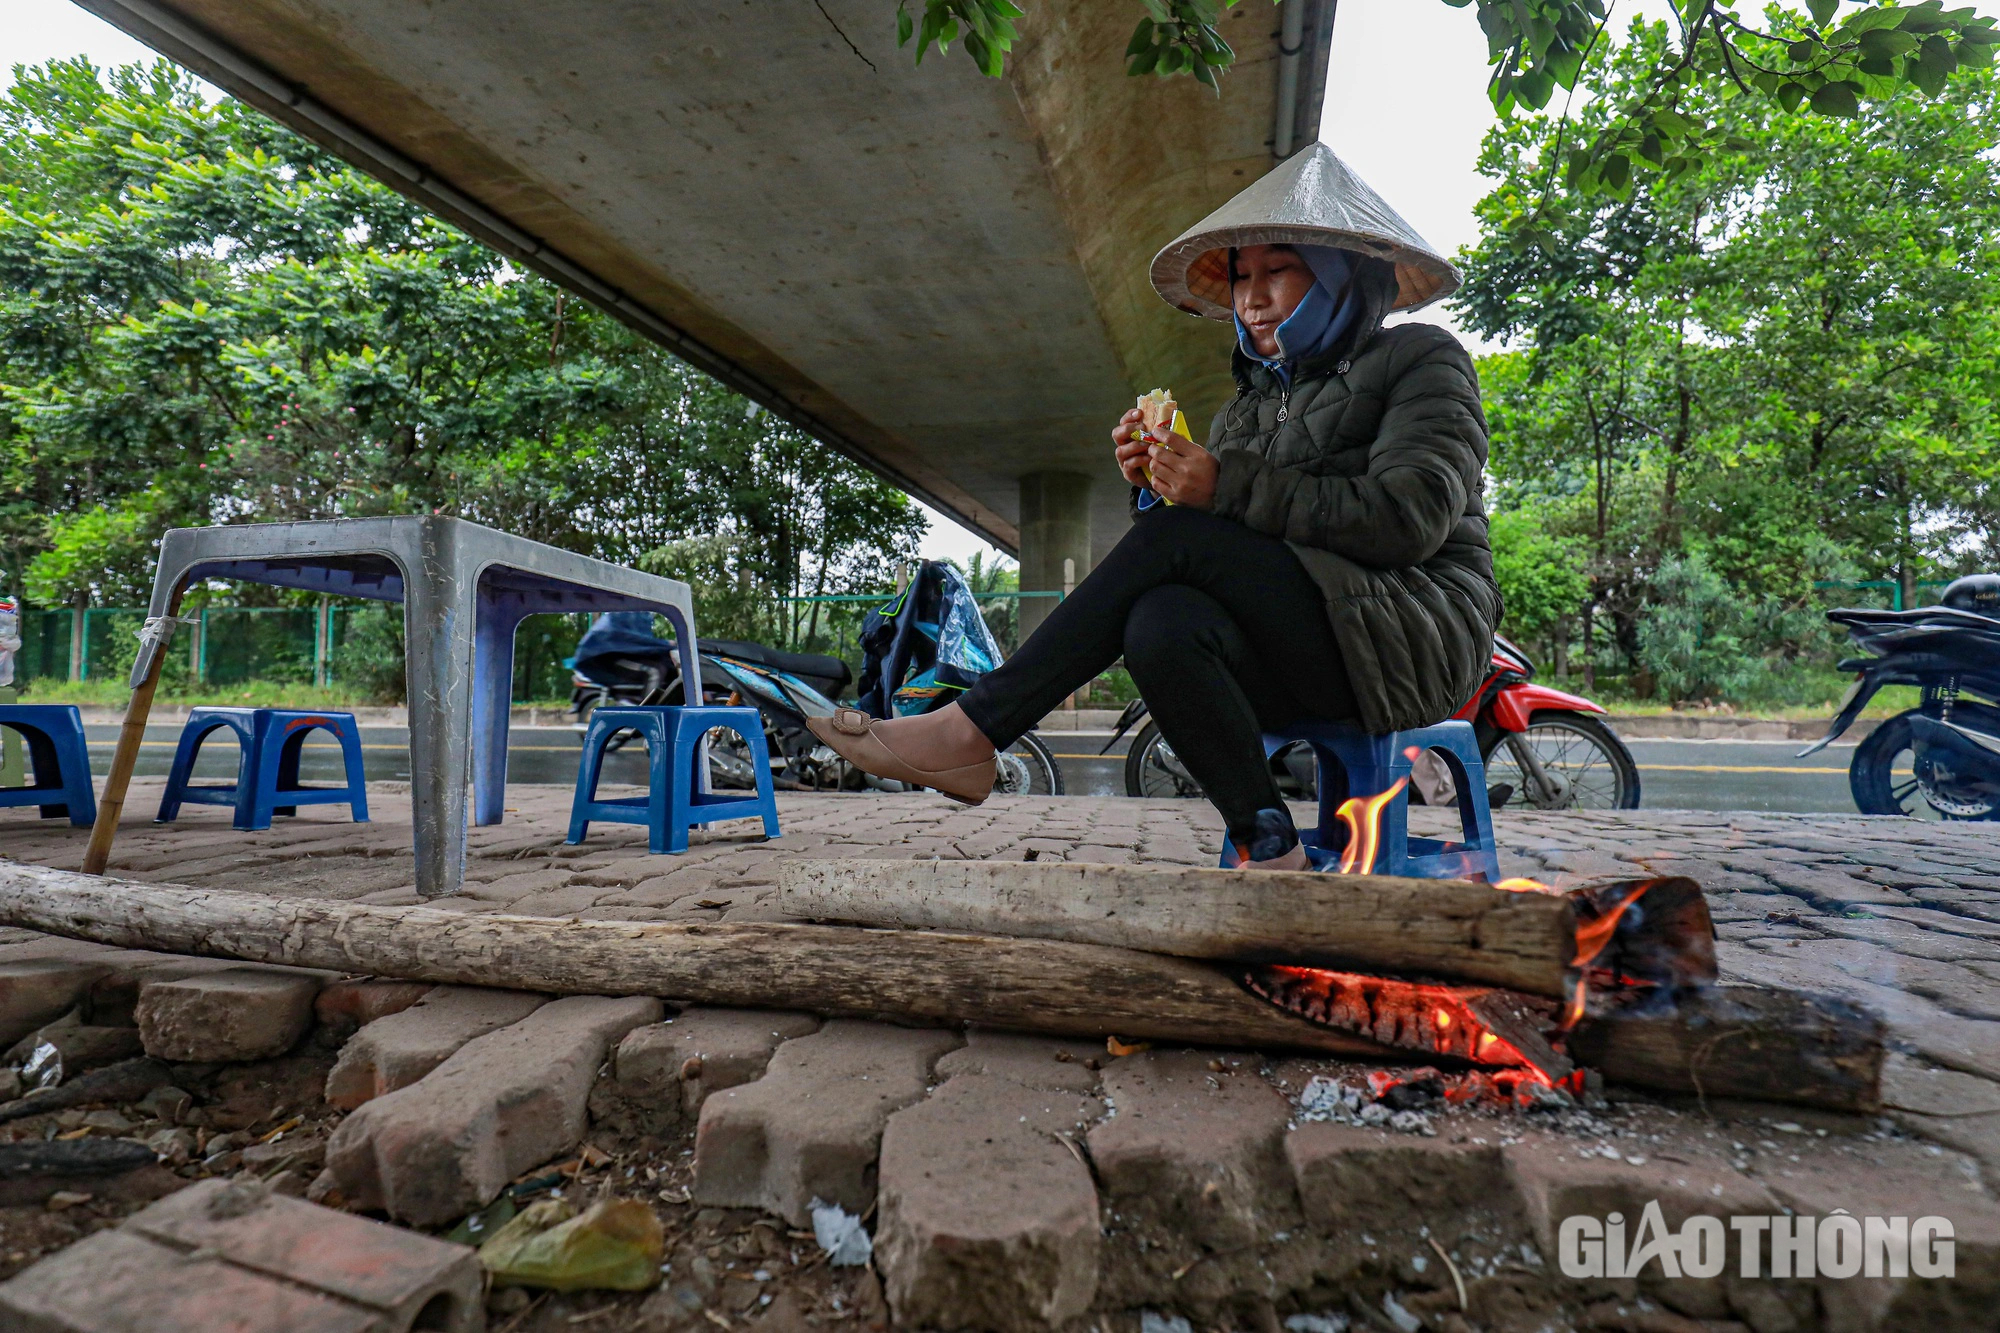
<point>1154,410</point>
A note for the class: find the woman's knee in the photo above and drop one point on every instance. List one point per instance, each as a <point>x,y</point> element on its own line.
<point>1162,627</point>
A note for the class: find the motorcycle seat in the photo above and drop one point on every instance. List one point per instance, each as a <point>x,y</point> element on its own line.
<point>816,668</point>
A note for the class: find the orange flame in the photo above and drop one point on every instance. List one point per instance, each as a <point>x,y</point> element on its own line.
<point>1522,884</point>
<point>1573,1011</point>
<point>1592,936</point>
<point>1364,828</point>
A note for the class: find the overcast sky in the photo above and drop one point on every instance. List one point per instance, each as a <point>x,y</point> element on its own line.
<point>1405,105</point>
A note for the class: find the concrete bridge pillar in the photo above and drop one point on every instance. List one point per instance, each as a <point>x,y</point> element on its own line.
<point>1055,526</point>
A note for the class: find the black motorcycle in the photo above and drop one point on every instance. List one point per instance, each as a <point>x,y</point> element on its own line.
<point>624,664</point>
<point>620,661</point>
<point>1943,754</point>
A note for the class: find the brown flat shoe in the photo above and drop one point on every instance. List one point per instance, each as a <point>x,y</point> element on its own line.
<point>850,733</point>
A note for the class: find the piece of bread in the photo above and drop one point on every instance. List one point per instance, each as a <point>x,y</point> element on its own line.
<point>1156,411</point>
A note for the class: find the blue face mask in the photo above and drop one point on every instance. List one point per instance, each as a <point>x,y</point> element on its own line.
<point>1329,310</point>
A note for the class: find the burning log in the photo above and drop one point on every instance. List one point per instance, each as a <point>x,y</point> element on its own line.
<point>1481,1024</point>
<point>1374,923</point>
<point>1650,932</point>
<point>1740,1041</point>
<point>1078,990</point>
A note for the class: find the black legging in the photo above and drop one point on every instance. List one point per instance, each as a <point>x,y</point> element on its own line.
<point>1225,635</point>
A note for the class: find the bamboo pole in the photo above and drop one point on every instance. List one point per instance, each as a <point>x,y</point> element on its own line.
<point>112,803</point>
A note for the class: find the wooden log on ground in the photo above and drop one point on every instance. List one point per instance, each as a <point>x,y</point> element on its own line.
<point>1372,923</point>
<point>1080,990</point>
<point>1742,1041</point>
<point>1720,1042</point>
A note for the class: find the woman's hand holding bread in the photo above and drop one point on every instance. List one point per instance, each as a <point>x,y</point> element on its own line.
<point>1128,441</point>
<point>1184,474</point>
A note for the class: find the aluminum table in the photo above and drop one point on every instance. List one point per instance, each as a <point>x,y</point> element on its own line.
<point>464,589</point>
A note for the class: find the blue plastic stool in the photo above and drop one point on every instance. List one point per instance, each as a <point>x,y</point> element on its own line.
<point>54,733</point>
<point>1372,765</point>
<point>267,774</point>
<point>677,797</point>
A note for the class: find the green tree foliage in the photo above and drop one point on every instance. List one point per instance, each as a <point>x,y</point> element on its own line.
<point>1813,60</point>
<point>206,319</point>
<point>1541,576</point>
<point>1782,359</point>
<point>1674,115</point>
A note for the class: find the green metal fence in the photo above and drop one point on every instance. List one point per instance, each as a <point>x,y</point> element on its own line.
<point>232,645</point>
<point>1891,587</point>
<point>44,651</point>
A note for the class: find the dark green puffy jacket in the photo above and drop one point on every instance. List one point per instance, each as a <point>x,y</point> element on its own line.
<point>1373,477</point>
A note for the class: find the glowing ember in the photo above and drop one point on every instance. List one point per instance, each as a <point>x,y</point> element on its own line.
<point>1433,1017</point>
<point>1364,828</point>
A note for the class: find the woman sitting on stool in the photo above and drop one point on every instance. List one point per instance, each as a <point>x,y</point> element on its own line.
<point>1324,558</point>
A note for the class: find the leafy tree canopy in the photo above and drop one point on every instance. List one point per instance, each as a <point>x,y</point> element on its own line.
<point>1830,58</point>
<point>206,319</point>
<point>1783,359</point>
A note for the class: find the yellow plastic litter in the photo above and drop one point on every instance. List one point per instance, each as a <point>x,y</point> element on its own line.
<point>613,1245</point>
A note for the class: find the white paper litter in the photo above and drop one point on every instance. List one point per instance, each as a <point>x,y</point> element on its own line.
<point>841,1235</point>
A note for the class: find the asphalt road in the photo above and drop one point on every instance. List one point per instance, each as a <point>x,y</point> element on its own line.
<point>1674,774</point>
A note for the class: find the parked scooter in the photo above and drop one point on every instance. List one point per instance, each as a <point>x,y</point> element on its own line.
<point>924,647</point>
<point>1541,745</point>
<point>621,662</point>
<point>1941,758</point>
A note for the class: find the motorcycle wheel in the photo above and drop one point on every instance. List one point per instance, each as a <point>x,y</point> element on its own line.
<point>1027,768</point>
<point>1586,754</point>
<point>1152,769</point>
<point>1874,775</point>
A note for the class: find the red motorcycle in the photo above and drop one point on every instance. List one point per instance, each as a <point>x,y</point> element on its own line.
<point>1545,747</point>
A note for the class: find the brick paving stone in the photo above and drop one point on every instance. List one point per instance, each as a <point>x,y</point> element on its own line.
<point>411,1280</point>
<point>663,1072</point>
<point>1903,1179</point>
<point>1037,1062</point>
<point>120,1282</point>
<point>988,1221</point>
<point>812,1126</point>
<point>38,991</point>
<point>512,1099</point>
<point>1353,1180</point>
<point>226,1257</point>
<point>345,1006</point>
<point>1554,1178</point>
<point>1909,1084</point>
<point>1196,1153</point>
<point>402,1047</point>
<point>232,1014</point>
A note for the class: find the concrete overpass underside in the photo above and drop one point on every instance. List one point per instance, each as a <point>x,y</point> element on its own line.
<point>940,274</point>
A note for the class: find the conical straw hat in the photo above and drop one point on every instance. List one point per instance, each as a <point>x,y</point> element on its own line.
<point>1311,198</point>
